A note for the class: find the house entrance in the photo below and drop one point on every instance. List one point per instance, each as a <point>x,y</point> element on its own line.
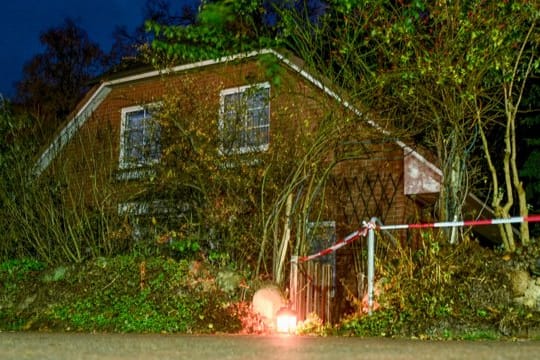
<point>314,283</point>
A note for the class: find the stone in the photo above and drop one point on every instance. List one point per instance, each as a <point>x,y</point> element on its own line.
<point>266,303</point>
<point>535,267</point>
<point>532,295</point>
<point>520,282</point>
<point>529,302</point>
<point>228,281</point>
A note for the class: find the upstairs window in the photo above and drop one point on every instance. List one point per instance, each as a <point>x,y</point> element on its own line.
<point>140,138</point>
<point>245,119</point>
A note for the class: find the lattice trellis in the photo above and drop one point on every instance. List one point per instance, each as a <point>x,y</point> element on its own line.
<point>359,198</point>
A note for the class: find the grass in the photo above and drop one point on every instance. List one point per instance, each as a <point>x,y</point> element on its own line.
<point>455,292</point>
<point>113,295</point>
<point>489,334</point>
<point>163,294</point>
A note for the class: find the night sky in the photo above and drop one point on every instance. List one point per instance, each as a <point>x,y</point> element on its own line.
<point>22,21</point>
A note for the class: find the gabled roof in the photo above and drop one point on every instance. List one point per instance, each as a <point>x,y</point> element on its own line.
<point>95,98</point>
<point>99,93</point>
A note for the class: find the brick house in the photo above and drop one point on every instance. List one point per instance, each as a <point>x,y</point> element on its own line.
<point>112,125</point>
<point>112,140</point>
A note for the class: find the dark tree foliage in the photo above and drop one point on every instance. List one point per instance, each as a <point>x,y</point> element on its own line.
<point>224,27</point>
<point>530,145</point>
<point>56,79</point>
<point>127,49</point>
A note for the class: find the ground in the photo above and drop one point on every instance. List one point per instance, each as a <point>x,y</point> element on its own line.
<point>441,292</point>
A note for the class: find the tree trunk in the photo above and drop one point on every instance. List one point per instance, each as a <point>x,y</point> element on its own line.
<point>279,263</point>
<point>520,191</point>
<point>511,113</point>
<point>500,211</point>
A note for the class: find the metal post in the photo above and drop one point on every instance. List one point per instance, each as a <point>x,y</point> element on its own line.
<point>293,284</point>
<point>453,234</point>
<point>371,267</point>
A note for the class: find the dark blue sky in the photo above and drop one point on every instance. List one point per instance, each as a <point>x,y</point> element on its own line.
<point>21,22</point>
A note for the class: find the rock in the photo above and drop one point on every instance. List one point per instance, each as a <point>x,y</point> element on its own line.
<point>266,302</point>
<point>520,282</point>
<point>520,300</point>
<point>529,302</point>
<point>525,290</point>
<point>228,281</point>
<point>532,296</point>
<point>27,302</point>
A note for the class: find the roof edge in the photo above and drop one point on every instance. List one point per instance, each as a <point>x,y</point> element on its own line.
<point>371,122</point>
<point>67,133</point>
<point>95,100</point>
<point>69,130</point>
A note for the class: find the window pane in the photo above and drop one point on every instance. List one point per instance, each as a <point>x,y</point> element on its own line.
<point>258,117</point>
<point>134,118</point>
<point>132,141</point>
<point>246,119</point>
<point>153,139</point>
<point>232,104</point>
<point>141,142</point>
<point>258,98</point>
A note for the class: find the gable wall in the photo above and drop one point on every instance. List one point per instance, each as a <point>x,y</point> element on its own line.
<point>95,147</point>
<point>91,158</point>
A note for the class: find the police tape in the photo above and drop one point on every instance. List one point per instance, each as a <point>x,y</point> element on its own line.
<point>343,242</point>
<point>362,232</point>
<point>482,222</point>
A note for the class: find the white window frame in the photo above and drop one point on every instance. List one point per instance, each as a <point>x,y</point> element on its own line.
<point>125,164</point>
<point>142,208</point>
<point>137,210</point>
<point>222,125</point>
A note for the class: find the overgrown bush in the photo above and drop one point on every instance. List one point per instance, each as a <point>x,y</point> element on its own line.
<point>442,291</point>
<point>227,198</point>
<point>38,217</point>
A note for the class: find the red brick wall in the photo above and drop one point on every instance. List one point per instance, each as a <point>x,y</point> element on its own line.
<point>296,109</point>
<point>96,146</point>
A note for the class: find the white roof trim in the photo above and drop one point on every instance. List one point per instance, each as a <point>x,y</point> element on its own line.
<point>69,130</point>
<point>95,100</point>
<point>407,149</point>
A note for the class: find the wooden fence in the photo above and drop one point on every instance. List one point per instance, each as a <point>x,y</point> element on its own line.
<point>311,289</point>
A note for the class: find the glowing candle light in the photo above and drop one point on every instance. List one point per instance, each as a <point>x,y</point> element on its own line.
<point>286,321</point>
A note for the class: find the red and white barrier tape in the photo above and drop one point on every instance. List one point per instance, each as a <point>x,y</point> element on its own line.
<point>512,220</point>
<point>345,241</point>
<point>371,225</point>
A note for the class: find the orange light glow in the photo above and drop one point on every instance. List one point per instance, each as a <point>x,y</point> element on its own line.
<point>286,321</point>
